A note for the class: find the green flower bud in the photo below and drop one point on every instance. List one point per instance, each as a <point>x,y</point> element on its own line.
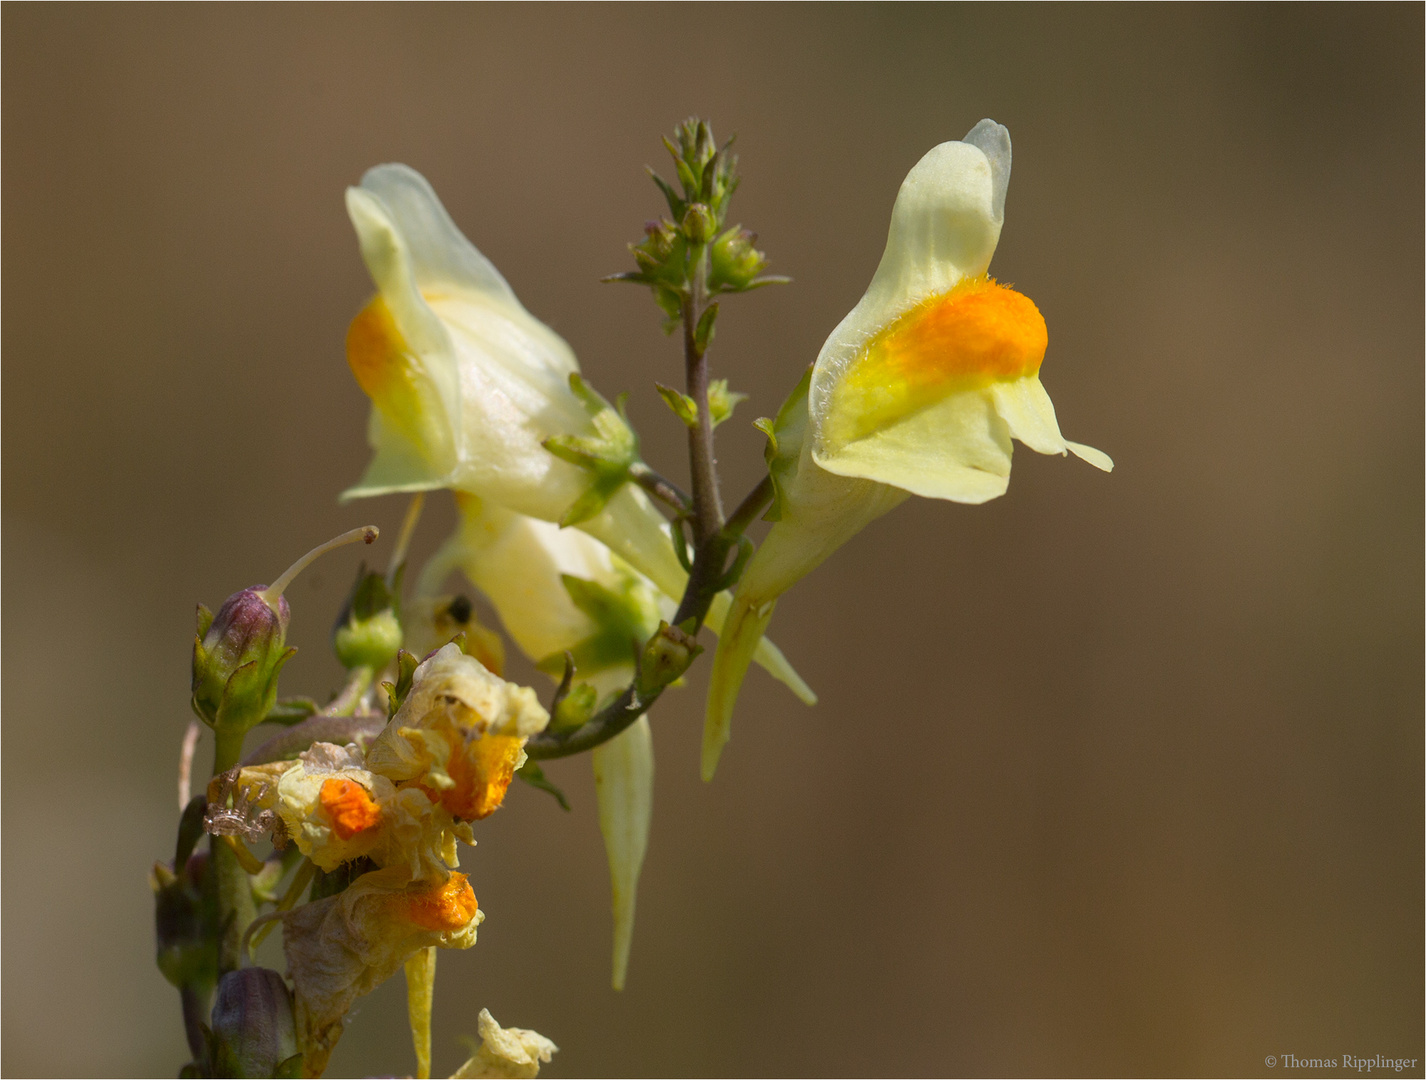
<point>699,223</point>
<point>734,264</point>
<point>368,631</point>
<point>185,925</point>
<point>253,1029</point>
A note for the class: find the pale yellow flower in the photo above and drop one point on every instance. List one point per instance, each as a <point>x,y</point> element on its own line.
<point>505,1053</point>
<point>919,390</point>
<point>466,386</point>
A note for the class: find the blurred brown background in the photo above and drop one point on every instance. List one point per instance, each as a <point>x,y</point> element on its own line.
<point>1118,774</point>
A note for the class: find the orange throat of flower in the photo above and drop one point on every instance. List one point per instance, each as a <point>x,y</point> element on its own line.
<point>978,333</point>
<point>445,908</point>
<point>349,807</point>
<point>482,770</point>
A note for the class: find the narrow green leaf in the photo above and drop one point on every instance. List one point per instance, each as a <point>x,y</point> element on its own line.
<point>681,404</point>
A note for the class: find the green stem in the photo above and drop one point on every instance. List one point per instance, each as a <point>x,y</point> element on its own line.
<point>345,703</point>
<point>661,488</point>
<point>235,895</point>
<point>756,502</point>
<point>707,503</point>
<point>610,721</point>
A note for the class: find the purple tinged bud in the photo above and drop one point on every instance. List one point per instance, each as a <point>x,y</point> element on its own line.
<point>247,621</point>
<point>253,1029</point>
<point>236,662</point>
<point>238,653</point>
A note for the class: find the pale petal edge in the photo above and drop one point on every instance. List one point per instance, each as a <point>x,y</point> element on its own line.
<point>1098,458</point>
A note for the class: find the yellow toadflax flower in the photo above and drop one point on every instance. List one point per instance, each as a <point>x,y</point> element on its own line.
<point>466,386</point>
<point>919,390</point>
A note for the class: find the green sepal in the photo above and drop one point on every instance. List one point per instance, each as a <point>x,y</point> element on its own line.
<point>721,402</point>
<point>205,620</point>
<point>676,206</point>
<point>396,691</point>
<point>575,708</point>
<point>289,711</point>
<point>250,694</point>
<point>784,444</point>
<point>620,617</point>
<point>532,774</point>
<point>682,405</point>
<point>607,455</point>
<point>291,1069</point>
<point>691,183</point>
<point>703,332</point>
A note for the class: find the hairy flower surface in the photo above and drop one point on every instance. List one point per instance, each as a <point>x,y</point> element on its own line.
<point>919,390</point>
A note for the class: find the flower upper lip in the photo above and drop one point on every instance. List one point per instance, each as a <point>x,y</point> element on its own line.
<point>497,376</point>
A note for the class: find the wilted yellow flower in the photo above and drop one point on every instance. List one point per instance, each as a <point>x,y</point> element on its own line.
<point>556,590</point>
<point>919,390</point>
<point>459,734</point>
<point>505,1053</point>
<point>343,946</point>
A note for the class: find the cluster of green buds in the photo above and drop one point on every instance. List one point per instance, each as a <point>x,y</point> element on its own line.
<point>693,251</point>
